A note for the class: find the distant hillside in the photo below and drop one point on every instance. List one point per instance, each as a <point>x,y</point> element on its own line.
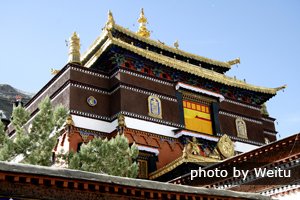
<point>7,97</point>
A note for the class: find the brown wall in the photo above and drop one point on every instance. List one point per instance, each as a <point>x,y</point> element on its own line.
<point>147,84</point>
<point>89,79</point>
<point>121,99</point>
<point>58,83</point>
<point>78,98</point>
<point>269,126</point>
<point>254,130</point>
<point>240,110</point>
<point>136,102</point>
<point>63,98</point>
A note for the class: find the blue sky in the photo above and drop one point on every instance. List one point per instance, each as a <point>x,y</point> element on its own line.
<point>264,34</point>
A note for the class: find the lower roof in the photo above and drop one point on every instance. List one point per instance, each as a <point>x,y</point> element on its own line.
<point>6,167</point>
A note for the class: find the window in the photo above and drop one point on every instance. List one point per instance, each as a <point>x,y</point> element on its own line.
<point>197,117</point>
<point>143,169</point>
<point>79,146</point>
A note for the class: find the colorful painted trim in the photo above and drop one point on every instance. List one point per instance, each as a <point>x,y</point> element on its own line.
<point>146,77</point>
<point>171,49</point>
<point>147,93</point>
<point>186,67</point>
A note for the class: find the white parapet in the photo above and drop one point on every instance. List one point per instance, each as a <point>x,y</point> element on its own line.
<point>94,124</point>
<point>244,147</point>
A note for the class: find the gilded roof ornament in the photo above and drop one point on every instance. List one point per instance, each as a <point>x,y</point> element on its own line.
<point>192,147</point>
<point>264,109</point>
<point>176,44</point>
<point>54,71</point>
<point>121,120</point>
<point>183,66</point>
<point>143,31</point>
<point>90,57</point>
<point>235,61</point>
<point>74,49</point>
<point>69,121</point>
<point>158,44</point>
<point>226,146</point>
<point>281,87</point>
<point>110,21</point>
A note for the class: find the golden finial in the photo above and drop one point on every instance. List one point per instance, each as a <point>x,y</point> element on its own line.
<point>110,21</point>
<point>143,31</point>
<point>74,49</point>
<point>54,71</point>
<point>176,44</point>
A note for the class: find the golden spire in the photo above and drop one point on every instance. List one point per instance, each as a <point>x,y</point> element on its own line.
<point>143,31</point>
<point>74,49</point>
<point>110,21</point>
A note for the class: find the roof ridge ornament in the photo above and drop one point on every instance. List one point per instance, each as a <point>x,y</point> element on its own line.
<point>235,61</point>
<point>54,71</point>
<point>143,31</point>
<point>281,87</point>
<point>110,21</point>
<point>176,44</point>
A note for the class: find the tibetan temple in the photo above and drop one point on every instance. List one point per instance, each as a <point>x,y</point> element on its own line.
<point>180,109</point>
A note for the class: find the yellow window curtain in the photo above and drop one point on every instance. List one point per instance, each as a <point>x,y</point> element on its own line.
<point>197,117</point>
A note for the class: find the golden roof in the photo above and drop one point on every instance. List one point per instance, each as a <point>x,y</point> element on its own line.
<point>106,39</point>
<point>182,66</point>
<point>110,24</point>
<point>171,49</point>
